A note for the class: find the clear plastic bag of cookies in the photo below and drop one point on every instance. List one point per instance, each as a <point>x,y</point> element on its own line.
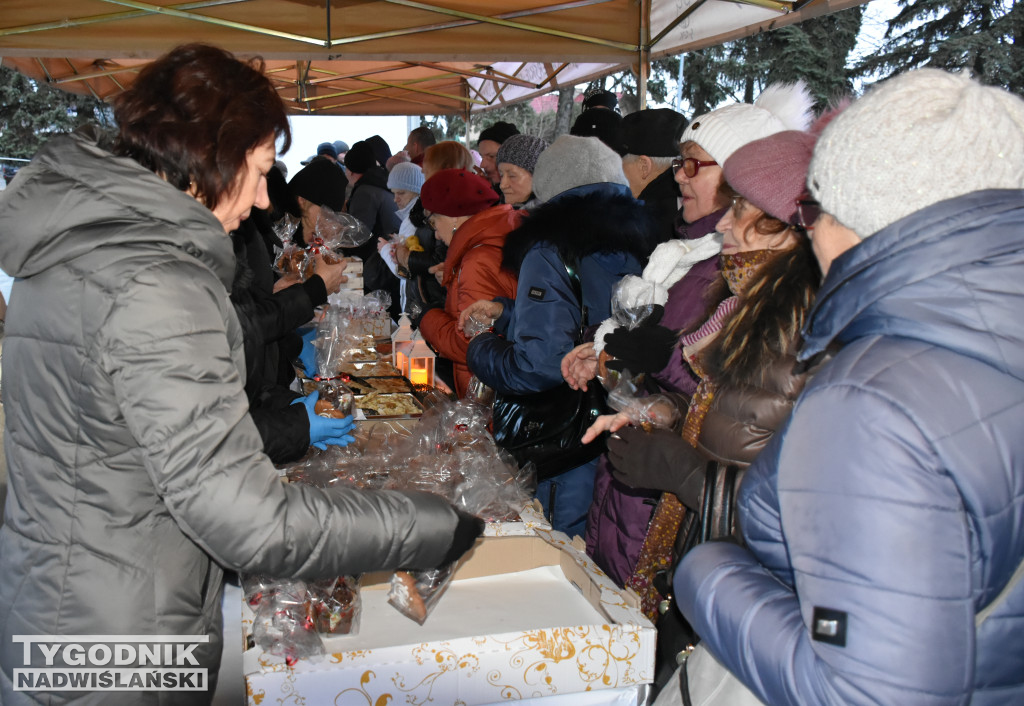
<point>415,593</point>
<point>281,625</point>
<point>334,605</point>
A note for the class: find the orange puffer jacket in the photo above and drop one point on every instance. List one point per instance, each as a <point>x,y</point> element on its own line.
<point>472,271</point>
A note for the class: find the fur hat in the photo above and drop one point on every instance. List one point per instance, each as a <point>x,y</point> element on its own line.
<point>457,192</point>
<point>573,161</point>
<point>522,151</point>
<point>779,107</point>
<point>919,138</point>
<point>653,132</point>
<point>360,158</point>
<point>406,176</point>
<point>600,123</point>
<point>499,132</point>
<point>321,182</point>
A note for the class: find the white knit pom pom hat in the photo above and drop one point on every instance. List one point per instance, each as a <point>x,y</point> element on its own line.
<point>723,131</point>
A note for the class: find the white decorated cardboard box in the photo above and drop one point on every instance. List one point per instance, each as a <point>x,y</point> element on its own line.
<point>526,617</point>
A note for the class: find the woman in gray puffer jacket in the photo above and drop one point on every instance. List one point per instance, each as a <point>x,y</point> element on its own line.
<point>136,473</point>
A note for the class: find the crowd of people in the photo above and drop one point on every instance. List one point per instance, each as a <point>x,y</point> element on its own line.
<point>817,314</point>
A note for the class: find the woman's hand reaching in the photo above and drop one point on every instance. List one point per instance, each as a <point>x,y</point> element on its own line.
<point>579,366</point>
<point>606,422</point>
<point>481,310</point>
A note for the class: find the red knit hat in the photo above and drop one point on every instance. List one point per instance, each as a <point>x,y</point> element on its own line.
<point>457,192</point>
<point>771,173</point>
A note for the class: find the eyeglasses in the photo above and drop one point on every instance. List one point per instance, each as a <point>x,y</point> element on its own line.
<point>807,212</point>
<point>428,218</point>
<point>689,165</point>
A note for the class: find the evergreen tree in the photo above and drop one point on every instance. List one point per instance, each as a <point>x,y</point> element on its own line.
<point>984,37</point>
<point>31,113</point>
<point>815,50</point>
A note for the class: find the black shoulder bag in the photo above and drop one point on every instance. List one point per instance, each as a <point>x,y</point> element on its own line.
<point>716,519</point>
<point>546,427</point>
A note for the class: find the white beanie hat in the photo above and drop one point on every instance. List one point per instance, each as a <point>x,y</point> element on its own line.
<point>919,138</point>
<point>779,107</point>
<point>573,161</point>
<point>406,176</point>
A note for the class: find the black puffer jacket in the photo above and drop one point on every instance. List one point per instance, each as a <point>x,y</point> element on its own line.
<point>268,320</point>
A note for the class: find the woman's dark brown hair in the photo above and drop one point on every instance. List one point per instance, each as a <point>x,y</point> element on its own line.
<point>772,310</point>
<point>193,115</point>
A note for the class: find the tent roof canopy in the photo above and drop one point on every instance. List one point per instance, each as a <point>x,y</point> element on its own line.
<point>382,56</point>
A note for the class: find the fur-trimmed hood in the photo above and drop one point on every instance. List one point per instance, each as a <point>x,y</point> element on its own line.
<point>583,221</point>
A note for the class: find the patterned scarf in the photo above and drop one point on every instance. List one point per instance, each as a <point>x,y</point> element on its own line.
<point>656,554</point>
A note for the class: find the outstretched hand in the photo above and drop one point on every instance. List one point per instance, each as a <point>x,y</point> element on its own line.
<point>481,309</point>
<point>324,431</point>
<point>659,459</point>
<point>332,273</point>
<point>644,349</point>
<point>579,366</point>
<point>606,422</point>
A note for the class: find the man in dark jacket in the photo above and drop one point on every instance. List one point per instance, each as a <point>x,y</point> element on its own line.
<point>885,524</point>
<point>648,142</point>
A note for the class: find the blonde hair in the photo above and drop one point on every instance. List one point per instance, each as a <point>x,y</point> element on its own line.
<point>446,155</point>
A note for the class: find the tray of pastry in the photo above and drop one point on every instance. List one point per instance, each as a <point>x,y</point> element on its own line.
<point>379,368</point>
<point>366,385</point>
<point>387,405</point>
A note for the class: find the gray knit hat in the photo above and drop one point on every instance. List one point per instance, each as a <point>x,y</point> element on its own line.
<point>406,176</point>
<point>522,151</point>
<point>573,161</point>
<point>919,138</point>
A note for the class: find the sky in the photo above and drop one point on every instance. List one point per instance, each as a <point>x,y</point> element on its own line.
<point>308,131</point>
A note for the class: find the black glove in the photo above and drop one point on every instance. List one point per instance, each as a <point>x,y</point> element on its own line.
<point>644,349</point>
<point>468,528</point>
<point>659,460</point>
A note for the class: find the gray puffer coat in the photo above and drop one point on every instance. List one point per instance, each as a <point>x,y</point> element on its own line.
<point>135,470</point>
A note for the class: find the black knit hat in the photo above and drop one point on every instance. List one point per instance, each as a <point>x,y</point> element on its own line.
<point>499,132</point>
<point>322,182</point>
<point>600,123</point>
<point>380,148</point>
<point>360,158</point>
<point>654,132</point>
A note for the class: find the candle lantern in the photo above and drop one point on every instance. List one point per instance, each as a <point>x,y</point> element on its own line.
<point>401,344</point>
<point>421,363</point>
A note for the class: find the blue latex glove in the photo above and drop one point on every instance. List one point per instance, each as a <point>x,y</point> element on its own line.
<point>307,356</point>
<point>325,430</point>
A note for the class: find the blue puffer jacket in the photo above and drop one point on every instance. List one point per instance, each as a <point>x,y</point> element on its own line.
<point>609,233</point>
<point>896,494</point>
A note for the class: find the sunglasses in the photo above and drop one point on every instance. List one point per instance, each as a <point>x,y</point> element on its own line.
<point>689,165</point>
<point>807,212</point>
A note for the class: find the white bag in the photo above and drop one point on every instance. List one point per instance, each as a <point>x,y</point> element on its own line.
<point>710,683</point>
